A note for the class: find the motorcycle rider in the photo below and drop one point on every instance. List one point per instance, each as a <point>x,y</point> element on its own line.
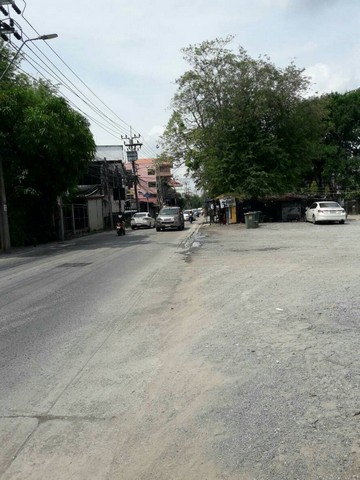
<point>120,224</point>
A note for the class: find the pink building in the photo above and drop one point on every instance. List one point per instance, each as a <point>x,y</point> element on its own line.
<point>151,178</point>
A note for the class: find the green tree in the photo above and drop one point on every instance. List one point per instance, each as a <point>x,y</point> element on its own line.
<point>334,127</point>
<point>234,121</point>
<point>196,201</point>
<point>342,141</point>
<point>46,147</point>
<point>6,56</point>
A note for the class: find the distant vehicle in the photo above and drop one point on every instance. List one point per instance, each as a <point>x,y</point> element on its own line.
<point>142,220</point>
<point>325,212</point>
<point>187,214</point>
<point>170,217</point>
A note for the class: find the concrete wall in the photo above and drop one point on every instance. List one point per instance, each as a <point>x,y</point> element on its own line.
<point>95,213</point>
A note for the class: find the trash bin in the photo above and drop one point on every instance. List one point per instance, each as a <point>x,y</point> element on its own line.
<point>257,215</point>
<point>250,220</point>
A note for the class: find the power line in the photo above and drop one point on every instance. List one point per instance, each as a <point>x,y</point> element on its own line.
<point>74,73</point>
<point>88,88</point>
<point>106,128</point>
<point>87,101</point>
<point>79,94</point>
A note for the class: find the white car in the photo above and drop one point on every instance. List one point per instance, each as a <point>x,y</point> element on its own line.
<point>324,211</point>
<point>142,220</point>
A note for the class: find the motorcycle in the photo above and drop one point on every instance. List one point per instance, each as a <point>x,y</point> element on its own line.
<point>191,217</point>
<point>120,227</point>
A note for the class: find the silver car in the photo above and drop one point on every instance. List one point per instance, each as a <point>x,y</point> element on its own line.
<point>170,217</point>
<point>324,211</point>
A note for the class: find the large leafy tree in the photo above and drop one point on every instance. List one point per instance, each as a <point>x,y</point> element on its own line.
<point>46,146</point>
<point>334,129</point>
<point>235,121</point>
<point>342,141</point>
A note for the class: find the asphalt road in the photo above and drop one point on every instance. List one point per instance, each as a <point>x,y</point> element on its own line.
<point>213,353</point>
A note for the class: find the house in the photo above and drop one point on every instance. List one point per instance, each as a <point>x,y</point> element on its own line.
<point>102,189</point>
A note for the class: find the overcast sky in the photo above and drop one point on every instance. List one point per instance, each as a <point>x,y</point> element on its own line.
<point>128,53</point>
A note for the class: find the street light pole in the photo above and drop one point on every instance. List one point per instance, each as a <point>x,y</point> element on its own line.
<point>4,221</point>
<point>41,37</point>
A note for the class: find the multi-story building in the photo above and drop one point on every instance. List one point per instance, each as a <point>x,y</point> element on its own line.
<point>153,183</point>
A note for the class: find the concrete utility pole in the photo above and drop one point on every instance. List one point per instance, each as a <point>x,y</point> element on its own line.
<point>61,219</point>
<point>119,186</point>
<point>159,184</point>
<point>132,156</point>
<point>135,186</point>
<point>108,191</point>
<point>4,223</point>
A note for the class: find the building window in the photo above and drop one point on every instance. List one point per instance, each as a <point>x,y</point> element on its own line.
<point>152,184</point>
<point>151,171</point>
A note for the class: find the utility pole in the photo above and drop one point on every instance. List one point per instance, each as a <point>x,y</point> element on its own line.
<point>61,219</point>
<point>108,191</point>
<point>159,184</point>
<point>132,155</point>
<point>187,194</point>
<point>4,222</point>
<point>119,186</point>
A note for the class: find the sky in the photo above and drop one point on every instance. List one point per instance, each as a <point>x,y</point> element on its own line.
<point>129,53</point>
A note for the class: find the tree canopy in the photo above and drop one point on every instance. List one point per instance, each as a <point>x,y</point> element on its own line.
<point>246,126</point>
<point>45,147</point>
<point>341,142</point>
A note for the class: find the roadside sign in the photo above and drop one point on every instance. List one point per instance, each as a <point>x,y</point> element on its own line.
<point>132,155</point>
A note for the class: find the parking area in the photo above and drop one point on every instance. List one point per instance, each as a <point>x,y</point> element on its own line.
<point>282,313</point>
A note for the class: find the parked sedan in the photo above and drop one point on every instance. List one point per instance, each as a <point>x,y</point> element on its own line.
<point>325,212</point>
<point>142,220</point>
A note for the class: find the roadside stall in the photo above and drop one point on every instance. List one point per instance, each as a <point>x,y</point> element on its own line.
<point>227,205</point>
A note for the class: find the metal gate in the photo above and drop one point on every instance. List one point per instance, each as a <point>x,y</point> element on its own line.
<point>75,219</point>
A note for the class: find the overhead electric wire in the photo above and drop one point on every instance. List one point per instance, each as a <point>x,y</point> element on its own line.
<point>153,153</point>
<point>101,125</point>
<point>88,102</point>
<point>106,128</point>
<point>92,106</point>
<point>86,86</point>
<point>54,76</point>
<point>74,73</point>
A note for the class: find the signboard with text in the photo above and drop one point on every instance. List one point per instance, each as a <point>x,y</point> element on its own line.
<point>132,155</point>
